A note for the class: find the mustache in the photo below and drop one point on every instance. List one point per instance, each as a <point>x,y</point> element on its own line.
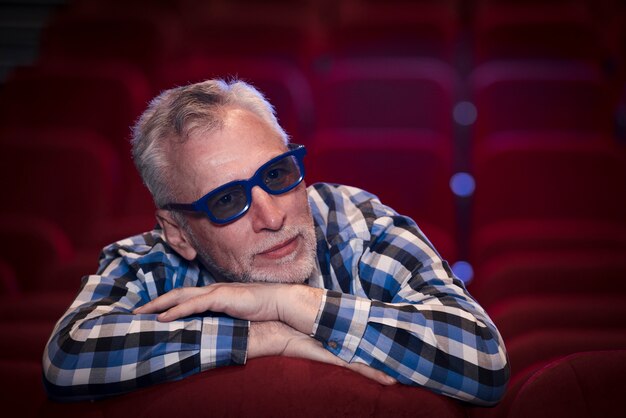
<point>287,233</point>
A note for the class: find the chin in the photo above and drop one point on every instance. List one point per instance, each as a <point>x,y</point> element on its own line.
<point>281,275</point>
<point>287,270</point>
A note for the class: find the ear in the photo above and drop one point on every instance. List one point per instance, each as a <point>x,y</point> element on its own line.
<point>175,235</point>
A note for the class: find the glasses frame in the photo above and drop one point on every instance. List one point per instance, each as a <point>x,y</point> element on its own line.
<point>296,150</point>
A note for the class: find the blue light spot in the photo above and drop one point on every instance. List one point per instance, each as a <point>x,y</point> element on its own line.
<point>465,113</point>
<point>464,271</point>
<point>462,184</point>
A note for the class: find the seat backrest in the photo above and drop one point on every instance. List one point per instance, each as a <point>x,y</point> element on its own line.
<point>549,30</point>
<point>532,96</point>
<point>386,93</point>
<point>67,177</point>
<point>523,314</point>
<point>538,348</point>
<point>549,273</point>
<point>587,384</point>
<point>408,170</point>
<point>549,180</point>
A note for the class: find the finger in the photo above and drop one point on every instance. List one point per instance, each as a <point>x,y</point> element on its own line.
<point>372,373</point>
<point>168,300</point>
<point>195,305</point>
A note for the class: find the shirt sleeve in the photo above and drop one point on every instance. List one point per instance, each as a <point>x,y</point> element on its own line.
<point>100,348</point>
<point>406,313</point>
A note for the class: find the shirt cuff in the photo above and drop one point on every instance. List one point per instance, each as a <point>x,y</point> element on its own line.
<point>224,342</point>
<point>341,323</point>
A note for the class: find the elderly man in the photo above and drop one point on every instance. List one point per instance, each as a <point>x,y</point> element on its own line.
<point>248,262</point>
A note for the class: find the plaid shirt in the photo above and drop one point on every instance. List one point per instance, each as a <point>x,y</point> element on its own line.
<point>390,302</point>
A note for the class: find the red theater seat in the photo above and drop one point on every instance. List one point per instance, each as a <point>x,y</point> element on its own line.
<point>500,238</point>
<point>554,273</point>
<point>555,180</point>
<point>588,384</point>
<point>9,286</point>
<point>271,386</point>
<point>25,339</point>
<point>536,96</point>
<point>22,391</point>
<point>408,170</point>
<point>37,307</point>
<point>66,177</point>
<point>554,30</point>
<point>283,387</point>
<point>141,38</point>
<point>536,349</point>
<point>394,29</point>
<point>387,93</point>
<point>523,314</point>
<point>35,249</point>
<point>285,31</point>
<point>105,100</point>
<point>545,196</point>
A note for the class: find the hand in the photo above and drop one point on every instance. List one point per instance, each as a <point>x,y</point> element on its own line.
<point>277,338</point>
<point>296,305</point>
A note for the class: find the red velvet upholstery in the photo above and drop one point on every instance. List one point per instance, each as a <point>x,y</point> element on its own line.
<point>142,38</point>
<point>520,315</point>
<point>27,338</point>
<point>21,390</point>
<point>23,394</point>
<point>537,348</point>
<point>589,385</point>
<point>554,273</point>
<point>66,177</point>
<point>408,170</point>
<point>391,28</point>
<point>104,99</point>
<point>559,179</point>
<point>386,93</point>
<point>246,35</point>
<point>271,387</point>
<point>41,306</point>
<point>503,238</point>
<point>530,30</point>
<point>48,246</point>
<point>527,96</point>
<point>8,282</point>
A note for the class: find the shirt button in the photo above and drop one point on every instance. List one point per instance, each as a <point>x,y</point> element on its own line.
<point>332,344</point>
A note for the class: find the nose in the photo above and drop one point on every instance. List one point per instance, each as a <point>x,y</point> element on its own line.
<point>266,213</point>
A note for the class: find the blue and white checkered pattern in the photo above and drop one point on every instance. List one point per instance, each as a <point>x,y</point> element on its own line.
<point>391,302</point>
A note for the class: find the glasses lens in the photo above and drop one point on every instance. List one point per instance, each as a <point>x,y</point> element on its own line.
<point>282,174</point>
<point>228,202</point>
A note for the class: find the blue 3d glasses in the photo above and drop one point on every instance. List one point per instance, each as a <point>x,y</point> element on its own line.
<point>232,200</point>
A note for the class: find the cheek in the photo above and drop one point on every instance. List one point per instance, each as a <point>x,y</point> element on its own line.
<point>226,244</point>
<point>298,202</point>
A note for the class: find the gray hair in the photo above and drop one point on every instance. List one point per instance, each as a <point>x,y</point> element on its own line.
<point>176,113</point>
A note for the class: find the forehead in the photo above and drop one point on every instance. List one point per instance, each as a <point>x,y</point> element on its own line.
<point>235,151</point>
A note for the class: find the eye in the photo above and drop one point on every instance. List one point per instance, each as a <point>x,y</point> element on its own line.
<point>225,200</point>
<point>274,174</point>
<point>229,200</point>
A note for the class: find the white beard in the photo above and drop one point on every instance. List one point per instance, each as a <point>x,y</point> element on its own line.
<point>294,268</point>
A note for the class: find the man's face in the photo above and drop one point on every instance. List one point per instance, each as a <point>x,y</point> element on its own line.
<point>275,240</point>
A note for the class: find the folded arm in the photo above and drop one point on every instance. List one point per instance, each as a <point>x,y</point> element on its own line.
<point>395,305</point>
<point>100,348</point>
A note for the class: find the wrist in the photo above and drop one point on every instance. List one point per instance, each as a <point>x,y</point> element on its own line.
<point>301,307</point>
<point>262,339</point>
